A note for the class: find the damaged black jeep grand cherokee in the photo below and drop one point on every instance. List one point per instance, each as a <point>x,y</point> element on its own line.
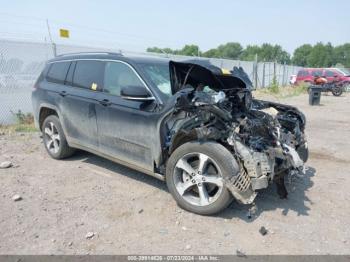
<point>190,123</point>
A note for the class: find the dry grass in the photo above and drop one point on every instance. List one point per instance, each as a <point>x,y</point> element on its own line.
<point>17,128</point>
<point>281,92</point>
<point>24,123</point>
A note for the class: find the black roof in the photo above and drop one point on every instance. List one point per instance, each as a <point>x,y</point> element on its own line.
<point>109,55</point>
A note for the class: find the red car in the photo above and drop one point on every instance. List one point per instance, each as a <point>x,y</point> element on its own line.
<point>307,75</point>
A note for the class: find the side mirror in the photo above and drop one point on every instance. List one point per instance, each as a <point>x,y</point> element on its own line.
<point>137,93</point>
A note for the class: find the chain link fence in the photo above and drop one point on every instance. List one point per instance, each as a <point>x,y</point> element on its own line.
<point>21,63</point>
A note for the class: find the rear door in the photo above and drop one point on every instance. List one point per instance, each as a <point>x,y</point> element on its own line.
<point>85,80</point>
<point>126,128</point>
<point>330,74</point>
<point>316,73</point>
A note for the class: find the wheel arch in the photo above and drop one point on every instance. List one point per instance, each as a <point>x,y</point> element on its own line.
<point>181,138</point>
<point>45,111</point>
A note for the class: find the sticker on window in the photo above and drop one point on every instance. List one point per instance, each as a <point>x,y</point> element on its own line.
<point>225,71</point>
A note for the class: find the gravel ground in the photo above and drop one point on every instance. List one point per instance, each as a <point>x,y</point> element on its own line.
<point>89,205</point>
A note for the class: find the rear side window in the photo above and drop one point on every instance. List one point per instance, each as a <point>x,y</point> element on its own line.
<point>329,73</point>
<point>317,73</point>
<point>89,75</point>
<point>57,72</point>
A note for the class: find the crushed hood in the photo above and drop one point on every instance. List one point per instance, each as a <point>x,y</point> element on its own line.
<point>195,72</point>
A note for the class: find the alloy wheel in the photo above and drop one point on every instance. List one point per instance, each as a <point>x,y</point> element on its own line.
<point>198,179</point>
<point>52,137</point>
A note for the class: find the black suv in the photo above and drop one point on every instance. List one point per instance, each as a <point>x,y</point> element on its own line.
<point>190,123</point>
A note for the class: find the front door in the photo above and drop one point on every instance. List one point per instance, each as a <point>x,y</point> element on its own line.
<point>126,128</point>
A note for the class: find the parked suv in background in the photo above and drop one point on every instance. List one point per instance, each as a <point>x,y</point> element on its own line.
<point>307,75</point>
<point>189,123</point>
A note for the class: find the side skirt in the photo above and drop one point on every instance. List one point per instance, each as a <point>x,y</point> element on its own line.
<point>116,160</point>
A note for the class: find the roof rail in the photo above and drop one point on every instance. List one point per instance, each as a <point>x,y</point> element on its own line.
<point>90,53</point>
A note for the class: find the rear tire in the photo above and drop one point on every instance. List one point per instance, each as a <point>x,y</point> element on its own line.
<point>210,164</point>
<point>54,139</point>
<point>337,91</point>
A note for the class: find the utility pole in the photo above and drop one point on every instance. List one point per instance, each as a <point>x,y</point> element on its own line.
<point>52,43</point>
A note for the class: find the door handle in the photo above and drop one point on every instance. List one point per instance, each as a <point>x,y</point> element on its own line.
<point>105,102</point>
<point>63,93</point>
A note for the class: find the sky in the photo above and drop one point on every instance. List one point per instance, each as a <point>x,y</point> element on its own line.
<point>135,25</point>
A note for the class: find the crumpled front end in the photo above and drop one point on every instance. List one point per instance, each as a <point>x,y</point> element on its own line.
<point>267,139</point>
<point>267,151</point>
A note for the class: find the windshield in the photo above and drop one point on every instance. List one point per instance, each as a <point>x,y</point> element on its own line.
<point>344,71</point>
<point>160,76</point>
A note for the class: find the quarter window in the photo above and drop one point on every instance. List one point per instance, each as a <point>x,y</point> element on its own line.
<point>58,72</point>
<point>119,75</point>
<point>89,74</point>
<point>301,73</point>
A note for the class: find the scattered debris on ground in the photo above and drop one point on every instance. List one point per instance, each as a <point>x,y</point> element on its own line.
<point>89,235</point>
<point>240,253</point>
<point>16,198</point>
<point>163,231</point>
<point>263,231</point>
<point>6,164</point>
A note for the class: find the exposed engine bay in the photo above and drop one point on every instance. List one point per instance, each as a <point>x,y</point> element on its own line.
<point>267,139</point>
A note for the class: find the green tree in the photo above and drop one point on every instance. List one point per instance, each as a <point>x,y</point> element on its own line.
<point>270,52</point>
<point>249,53</point>
<point>342,54</point>
<point>189,50</point>
<point>212,53</point>
<point>230,50</point>
<point>266,52</point>
<point>321,55</point>
<point>161,50</point>
<point>301,55</point>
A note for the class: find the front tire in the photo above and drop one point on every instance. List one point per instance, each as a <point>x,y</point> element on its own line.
<point>195,176</point>
<point>54,139</point>
<point>303,152</point>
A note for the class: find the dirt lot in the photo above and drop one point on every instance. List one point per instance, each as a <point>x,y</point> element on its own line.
<point>132,213</point>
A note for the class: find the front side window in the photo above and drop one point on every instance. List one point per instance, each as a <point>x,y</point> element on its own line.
<point>89,74</point>
<point>119,75</point>
<point>57,72</point>
<point>160,76</point>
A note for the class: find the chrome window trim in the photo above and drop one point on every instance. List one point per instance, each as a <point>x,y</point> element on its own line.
<point>116,61</point>
<point>138,98</point>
